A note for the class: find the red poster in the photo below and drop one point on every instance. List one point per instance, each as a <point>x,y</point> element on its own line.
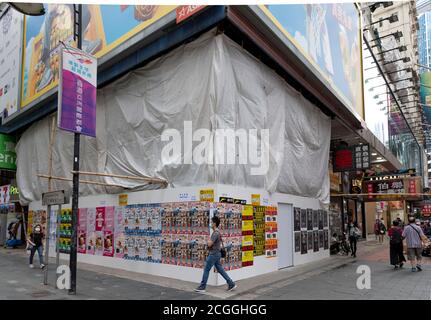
<point>185,12</point>
<point>100,218</point>
<point>108,244</point>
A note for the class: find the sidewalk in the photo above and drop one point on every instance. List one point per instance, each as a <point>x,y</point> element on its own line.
<point>96,282</point>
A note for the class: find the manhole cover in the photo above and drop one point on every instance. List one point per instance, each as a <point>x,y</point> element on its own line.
<point>40,294</point>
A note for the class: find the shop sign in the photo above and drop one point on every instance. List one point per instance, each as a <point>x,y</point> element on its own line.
<point>185,12</point>
<point>7,152</point>
<point>352,158</point>
<point>77,92</point>
<point>426,210</point>
<point>206,195</point>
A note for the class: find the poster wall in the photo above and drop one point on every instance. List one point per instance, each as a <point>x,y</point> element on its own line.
<point>271,229</point>
<point>11,32</point>
<point>328,35</point>
<point>105,27</point>
<point>259,230</point>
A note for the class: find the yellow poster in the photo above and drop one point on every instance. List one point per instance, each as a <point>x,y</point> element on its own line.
<point>122,199</point>
<point>247,225</point>
<point>255,199</point>
<point>247,256</point>
<point>247,211</point>
<point>247,241</point>
<point>207,195</point>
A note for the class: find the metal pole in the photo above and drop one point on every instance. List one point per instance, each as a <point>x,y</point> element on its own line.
<point>45,276</point>
<point>58,237</point>
<point>73,250</point>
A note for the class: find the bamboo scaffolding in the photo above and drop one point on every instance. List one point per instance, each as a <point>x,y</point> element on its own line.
<point>151,180</point>
<point>80,181</point>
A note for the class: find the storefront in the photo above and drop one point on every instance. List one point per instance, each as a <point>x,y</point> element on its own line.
<point>156,141</point>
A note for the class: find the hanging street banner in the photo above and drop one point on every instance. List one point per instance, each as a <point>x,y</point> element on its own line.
<point>77,92</point>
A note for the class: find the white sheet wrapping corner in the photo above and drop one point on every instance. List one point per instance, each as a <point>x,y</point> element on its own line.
<point>212,82</point>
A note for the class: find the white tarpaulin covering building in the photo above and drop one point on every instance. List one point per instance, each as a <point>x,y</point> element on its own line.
<point>215,84</point>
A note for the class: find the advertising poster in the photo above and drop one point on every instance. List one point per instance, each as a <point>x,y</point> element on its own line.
<point>297,241</point>
<point>315,240</point>
<point>271,229</point>
<point>10,61</point>
<point>65,230</point>
<point>297,219</point>
<point>321,238</point>
<point>309,219</point>
<point>77,92</point>
<point>247,236</point>
<point>325,219</point>
<point>91,230</point>
<point>108,232</point>
<point>259,230</point>
<point>304,247</point>
<point>310,240</point>
<point>167,218</point>
<point>328,35</point>
<point>320,219</point>
<point>100,218</point>
<point>42,38</point>
<point>105,27</point>
<point>129,218</point>
<point>119,240</point>
<point>82,230</point>
<point>315,219</point>
<point>326,240</point>
<point>303,219</point>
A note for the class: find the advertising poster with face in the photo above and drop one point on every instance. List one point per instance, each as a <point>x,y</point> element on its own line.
<point>82,231</point>
<point>129,217</point>
<point>304,246</point>
<point>309,219</point>
<point>166,217</point>
<point>140,221</point>
<point>326,240</point>
<point>315,240</point>
<point>118,219</point>
<point>297,241</point>
<point>129,247</point>
<point>315,219</point>
<point>320,219</point>
<point>321,238</point>
<point>296,219</point>
<point>91,230</point>
<point>119,240</point>
<point>303,219</point>
<point>99,243</point>
<point>108,243</point>
<point>310,240</point>
<point>100,218</point>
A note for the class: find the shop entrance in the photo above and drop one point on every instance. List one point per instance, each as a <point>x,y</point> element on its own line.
<point>285,235</point>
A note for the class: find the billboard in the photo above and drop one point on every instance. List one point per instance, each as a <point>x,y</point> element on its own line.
<point>77,92</point>
<point>329,37</point>
<point>425,94</point>
<point>11,24</point>
<point>104,27</point>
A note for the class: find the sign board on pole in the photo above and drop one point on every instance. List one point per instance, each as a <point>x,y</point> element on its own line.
<point>54,198</point>
<point>77,92</point>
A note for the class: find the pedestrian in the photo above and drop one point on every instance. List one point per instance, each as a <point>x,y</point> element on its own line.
<point>396,245</point>
<point>413,235</point>
<point>382,230</point>
<point>400,222</point>
<point>377,228</point>
<point>213,259</point>
<point>335,244</point>
<point>35,243</point>
<point>353,232</point>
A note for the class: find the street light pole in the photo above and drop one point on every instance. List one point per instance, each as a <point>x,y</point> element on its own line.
<point>77,35</point>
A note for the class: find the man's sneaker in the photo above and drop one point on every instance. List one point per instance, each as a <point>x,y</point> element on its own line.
<point>419,267</point>
<point>200,289</point>
<point>414,270</point>
<point>31,266</point>
<point>42,266</point>
<point>231,287</point>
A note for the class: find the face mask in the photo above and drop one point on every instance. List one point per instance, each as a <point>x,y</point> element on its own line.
<point>37,230</point>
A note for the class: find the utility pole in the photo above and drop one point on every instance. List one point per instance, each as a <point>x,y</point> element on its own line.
<point>77,35</point>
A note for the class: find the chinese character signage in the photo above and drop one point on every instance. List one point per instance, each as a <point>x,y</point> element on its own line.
<point>390,188</point>
<point>185,12</point>
<point>77,92</point>
<point>7,152</point>
<point>352,158</point>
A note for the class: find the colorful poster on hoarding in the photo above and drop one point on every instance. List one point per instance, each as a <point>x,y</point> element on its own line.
<point>82,230</point>
<point>108,232</point>
<point>11,30</point>
<point>105,28</point>
<point>328,35</point>
<point>91,230</point>
<point>77,92</point>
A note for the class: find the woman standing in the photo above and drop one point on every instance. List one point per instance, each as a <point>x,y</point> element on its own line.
<point>396,245</point>
<point>35,241</point>
<point>353,232</point>
<point>382,230</point>
<point>377,228</point>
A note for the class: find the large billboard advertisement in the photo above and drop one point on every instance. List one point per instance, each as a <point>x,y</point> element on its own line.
<point>11,24</point>
<point>425,94</point>
<point>104,27</point>
<point>329,36</point>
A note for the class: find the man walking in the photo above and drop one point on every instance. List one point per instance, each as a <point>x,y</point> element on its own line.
<point>413,233</point>
<point>214,245</point>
